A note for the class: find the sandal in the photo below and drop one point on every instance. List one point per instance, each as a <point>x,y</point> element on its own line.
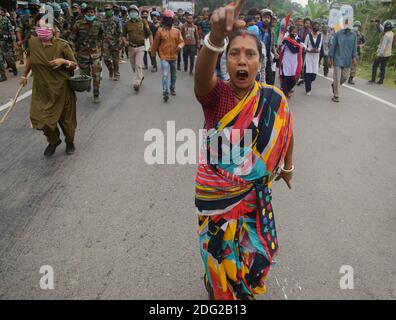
<point>335,99</point>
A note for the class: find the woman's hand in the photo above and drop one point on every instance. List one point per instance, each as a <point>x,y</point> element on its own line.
<point>23,82</point>
<point>223,21</point>
<point>286,176</point>
<point>56,63</point>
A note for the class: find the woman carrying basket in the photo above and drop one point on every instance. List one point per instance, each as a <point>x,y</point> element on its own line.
<point>237,233</point>
<point>53,101</point>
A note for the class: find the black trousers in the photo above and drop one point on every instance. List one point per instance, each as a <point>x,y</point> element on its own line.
<point>287,84</point>
<point>381,62</point>
<point>269,74</point>
<point>189,52</point>
<point>308,79</point>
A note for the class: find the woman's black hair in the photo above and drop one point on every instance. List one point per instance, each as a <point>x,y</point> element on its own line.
<point>291,28</point>
<point>243,33</point>
<point>38,18</point>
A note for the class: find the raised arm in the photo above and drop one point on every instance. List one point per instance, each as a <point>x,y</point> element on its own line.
<point>223,20</point>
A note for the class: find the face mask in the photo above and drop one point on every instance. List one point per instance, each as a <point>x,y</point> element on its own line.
<point>90,18</point>
<point>26,11</point>
<point>133,15</point>
<point>44,34</point>
<point>109,13</point>
<point>168,22</point>
<point>75,14</point>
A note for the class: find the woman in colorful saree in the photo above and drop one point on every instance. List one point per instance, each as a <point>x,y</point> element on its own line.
<point>233,184</point>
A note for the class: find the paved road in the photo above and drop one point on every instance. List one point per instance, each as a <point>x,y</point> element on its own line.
<point>112,226</point>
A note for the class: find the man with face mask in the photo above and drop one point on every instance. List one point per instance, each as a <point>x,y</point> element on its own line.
<point>135,31</point>
<point>267,37</point>
<point>168,41</point>
<point>144,15</point>
<point>58,19</point>
<point>87,39</point>
<point>76,15</point>
<point>342,51</point>
<point>154,26</point>
<point>111,42</point>
<point>357,27</point>
<point>6,45</point>
<point>25,28</point>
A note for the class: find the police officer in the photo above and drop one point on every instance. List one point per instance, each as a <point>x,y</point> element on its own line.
<point>6,46</point>
<point>134,32</point>
<point>111,42</point>
<point>87,40</point>
<point>357,26</point>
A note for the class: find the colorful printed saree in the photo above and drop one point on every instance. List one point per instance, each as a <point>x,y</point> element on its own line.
<point>233,193</point>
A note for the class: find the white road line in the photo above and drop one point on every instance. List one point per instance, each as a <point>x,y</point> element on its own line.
<point>8,104</point>
<point>364,93</point>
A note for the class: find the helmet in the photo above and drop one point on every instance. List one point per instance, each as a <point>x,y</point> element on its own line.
<point>80,83</point>
<point>75,5</point>
<point>357,24</point>
<point>154,13</point>
<point>266,12</point>
<point>388,25</point>
<point>108,7</point>
<point>123,8</point>
<point>56,7</point>
<point>34,2</point>
<point>168,13</point>
<point>64,6</point>
<point>133,7</point>
<point>83,6</point>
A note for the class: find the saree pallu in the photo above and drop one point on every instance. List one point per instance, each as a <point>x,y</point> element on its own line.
<point>237,233</point>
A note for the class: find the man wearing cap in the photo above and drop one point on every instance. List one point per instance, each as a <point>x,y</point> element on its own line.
<point>134,32</point>
<point>76,15</point>
<point>6,46</point>
<point>87,39</point>
<point>357,27</point>
<point>154,25</point>
<point>111,42</point>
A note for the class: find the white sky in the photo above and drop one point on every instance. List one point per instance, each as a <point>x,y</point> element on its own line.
<point>302,2</point>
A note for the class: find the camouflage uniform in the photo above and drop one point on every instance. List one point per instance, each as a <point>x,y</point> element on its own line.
<point>111,45</point>
<point>26,28</point>
<point>6,46</point>
<point>87,39</point>
<point>360,41</point>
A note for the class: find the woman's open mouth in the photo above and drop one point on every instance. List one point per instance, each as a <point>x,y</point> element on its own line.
<point>242,75</point>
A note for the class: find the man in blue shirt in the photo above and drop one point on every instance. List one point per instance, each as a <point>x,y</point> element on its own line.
<point>342,51</point>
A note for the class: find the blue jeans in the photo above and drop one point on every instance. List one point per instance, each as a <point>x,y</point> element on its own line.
<point>165,66</point>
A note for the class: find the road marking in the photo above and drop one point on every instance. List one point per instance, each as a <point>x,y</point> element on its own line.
<point>364,93</point>
<point>8,104</point>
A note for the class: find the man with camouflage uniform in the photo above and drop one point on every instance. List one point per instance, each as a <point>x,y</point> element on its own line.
<point>357,26</point>
<point>58,19</point>
<point>87,38</point>
<point>25,28</point>
<point>111,42</point>
<point>134,32</point>
<point>6,46</point>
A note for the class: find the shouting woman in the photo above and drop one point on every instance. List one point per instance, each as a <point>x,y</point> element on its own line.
<point>236,231</point>
<point>52,61</point>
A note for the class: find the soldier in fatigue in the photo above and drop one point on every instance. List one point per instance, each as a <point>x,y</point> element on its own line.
<point>25,28</point>
<point>357,27</point>
<point>87,40</point>
<point>111,43</point>
<point>6,46</point>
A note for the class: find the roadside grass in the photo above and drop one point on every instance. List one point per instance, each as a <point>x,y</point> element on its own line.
<point>364,72</point>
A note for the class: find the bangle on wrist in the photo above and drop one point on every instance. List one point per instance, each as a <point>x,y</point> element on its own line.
<point>213,47</point>
<point>287,171</point>
<point>69,64</point>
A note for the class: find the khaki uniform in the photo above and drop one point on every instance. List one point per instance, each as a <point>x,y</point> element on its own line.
<point>53,101</point>
<point>87,38</point>
<point>136,32</point>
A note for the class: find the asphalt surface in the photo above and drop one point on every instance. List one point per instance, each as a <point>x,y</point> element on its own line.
<point>114,227</point>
